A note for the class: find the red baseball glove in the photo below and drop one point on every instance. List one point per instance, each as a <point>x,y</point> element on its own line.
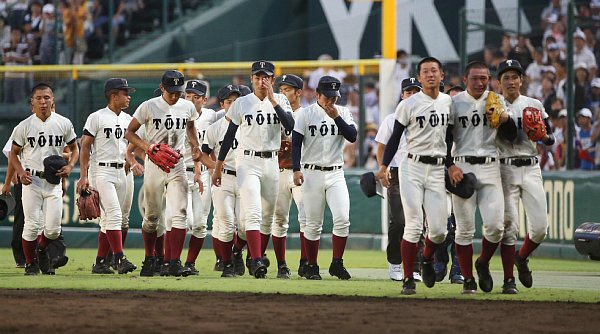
<point>533,124</point>
<point>163,156</point>
<point>88,204</point>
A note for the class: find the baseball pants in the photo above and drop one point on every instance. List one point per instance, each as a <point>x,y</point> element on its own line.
<point>42,206</point>
<point>226,200</point>
<point>175,186</point>
<point>287,191</point>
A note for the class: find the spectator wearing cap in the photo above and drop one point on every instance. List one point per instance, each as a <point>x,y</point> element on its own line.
<point>595,97</point>
<point>583,54</point>
<point>552,13</point>
<point>553,53</point>
<point>48,40</point>
<point>582,86</point>
<point>15,53</point>
<point>559,147</point>
<point>557,32</point>
<point>534,72</point>
<point>585,147</point>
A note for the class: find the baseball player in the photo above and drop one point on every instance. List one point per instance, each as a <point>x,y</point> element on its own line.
<point>226,198</point>
<point>426,118</point>
<point>290,86</point>
<point>259,116</point>
<point>475,151</point>
<point>410,86</point>
<point>167,120</point>
<point>104,132</point>
<point>43,134</point>
<point>521,179</point>
<point>19,218</point>
<point>198,202</point>
<point>317,147</point>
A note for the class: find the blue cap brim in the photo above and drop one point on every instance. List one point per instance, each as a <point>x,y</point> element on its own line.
<point>174,89</point>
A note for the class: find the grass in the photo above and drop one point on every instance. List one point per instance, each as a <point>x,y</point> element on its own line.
<point>77,275</point>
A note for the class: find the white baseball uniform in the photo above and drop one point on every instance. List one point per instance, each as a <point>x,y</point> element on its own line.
<point>165,124</point>
<point>522,178</point>
<point>383,136</point>
<point>475,151</point>
<point>42,201</point>
<point>321,161</point>
<point>259,136</point>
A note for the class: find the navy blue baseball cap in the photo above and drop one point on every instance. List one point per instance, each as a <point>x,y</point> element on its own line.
<point>292,80</point>
<point>509,64</point>
<point>329,86</point>
<point>263,66</point>
<point>409,83</point>
<point>244,90</point>
<point>173,81</point>
<point>196,87</point>
<point>226,91</point>
<point>157,92</point>
<point>117,83</point>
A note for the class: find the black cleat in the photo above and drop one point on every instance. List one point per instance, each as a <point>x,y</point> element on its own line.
<point>238,263</point>
<point>176,269</point>
<point>218,265</point>
<point>283,271</point>
<point>228,270</point>
<point>302,268</point>
<point>510,286</point>
<point>192,267</point>
<point>110,259</point>
<point>428,273</point>
<point>338,270</point>
<point>158,262</point>
<point>265,260</point>
<point>469,286</point>
<point>125,266</point>
<point>44,262</point>
<point>148,267</point>
<point>248,263</point>
<point>32,269</point>
<point>409,287</point>
<point>441,269</point>
<point>312,272</point>
<point>486,283</point>
<point>164,269</point>
<point>102,268</point>
<point>258,269</point>
<point>524,273</point>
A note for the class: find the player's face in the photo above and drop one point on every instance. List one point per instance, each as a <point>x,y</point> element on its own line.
<point>42,102</point>
<point>196,99</point>
<point>477,81</point>
<point>225,104</point>
<point>511,82</point>
<point>122,99</point>
<point>430,75</point>
<point>410,92</point>
<point>260,82</point>
<point>325,101</point>
<point>290,92</point>
<point>170,98</point>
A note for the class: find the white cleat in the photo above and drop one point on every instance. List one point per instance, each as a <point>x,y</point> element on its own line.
<point>417,277</point>
<point>395,271</point>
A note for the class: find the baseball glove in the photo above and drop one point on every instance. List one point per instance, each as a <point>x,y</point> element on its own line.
<point>163,156</point>
<point>533,124</point>
<point>88,204</point>
<point>492,102</point>
<point>285,154</point>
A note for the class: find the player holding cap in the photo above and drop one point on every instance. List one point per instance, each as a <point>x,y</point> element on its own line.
<point>259,116</point>
<point>104,133</point>
<point>521,179</point>
<point>168,120</point>
<point>317,146</point>
<point>426,118</point>
<point>41,135</point>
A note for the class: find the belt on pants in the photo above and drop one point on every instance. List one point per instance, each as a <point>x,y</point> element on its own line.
<point>426,159</point>
<point>34,172</point>
<point>520,162</point>
<point>191,169</point>
<point>111,164</point>
<point>229,172</point>
<point>475,160</point>
<point>323,169</point>
<point>264,154</point>
<point>393,169</point>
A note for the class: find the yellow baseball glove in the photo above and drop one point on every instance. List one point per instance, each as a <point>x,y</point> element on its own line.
<point>493,103</point>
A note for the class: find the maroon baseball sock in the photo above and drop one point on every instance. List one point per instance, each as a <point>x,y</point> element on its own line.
<point>43,241</point>
<point>149,242</point>
<point>507,252</point>
<point>409,256</point>
<point>159,248</point>
<point>216,246</point>
<point>302,247</point>
<point>253,239</point>
<point>238,242</point>
<point>194,248</point>
<point>279,248</point>
<point>338,245</point>
<point>312,250</point>
<point>103,245</point>
<point>429,249</point>
<point>29,250</point>
<point>115,239</point>
<point>487,250</point>
<point>167,242</point>
<point>465,260</point>
<point>264,242</point>
<point>124,235</point>
<point>176,239</point>
<point>226,252</point>
<point>527,248</point>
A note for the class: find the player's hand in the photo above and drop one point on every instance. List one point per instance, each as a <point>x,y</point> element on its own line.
<point>384,176</point>
<point>137,169</point>
<point>298,178</point>
<point>64,171</point>
<point>198,180</point>
<point>6,189</point>
<point>82,184</point>
<point>270,93</point>
<point>330,109</point>
<point>25,177</point>
<point>455,174</point>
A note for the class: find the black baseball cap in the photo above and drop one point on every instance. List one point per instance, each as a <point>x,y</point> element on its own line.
<point>225,91</point>
<point>173,81</point>
<point>157,92</point>
<point>409,83</point>
<point>117,83</point>
<point>292,80</point>
<point>196,87</point>
<point>509,64</point>
<point>329,86</point>
<point>263,66</point>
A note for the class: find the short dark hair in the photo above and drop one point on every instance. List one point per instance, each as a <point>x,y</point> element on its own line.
<point>475,64</point>
<point>429,60</point>
<point>107,94</point>
<point>41,86</point>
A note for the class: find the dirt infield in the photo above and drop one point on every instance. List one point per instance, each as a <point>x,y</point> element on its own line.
<point>65,311</point>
